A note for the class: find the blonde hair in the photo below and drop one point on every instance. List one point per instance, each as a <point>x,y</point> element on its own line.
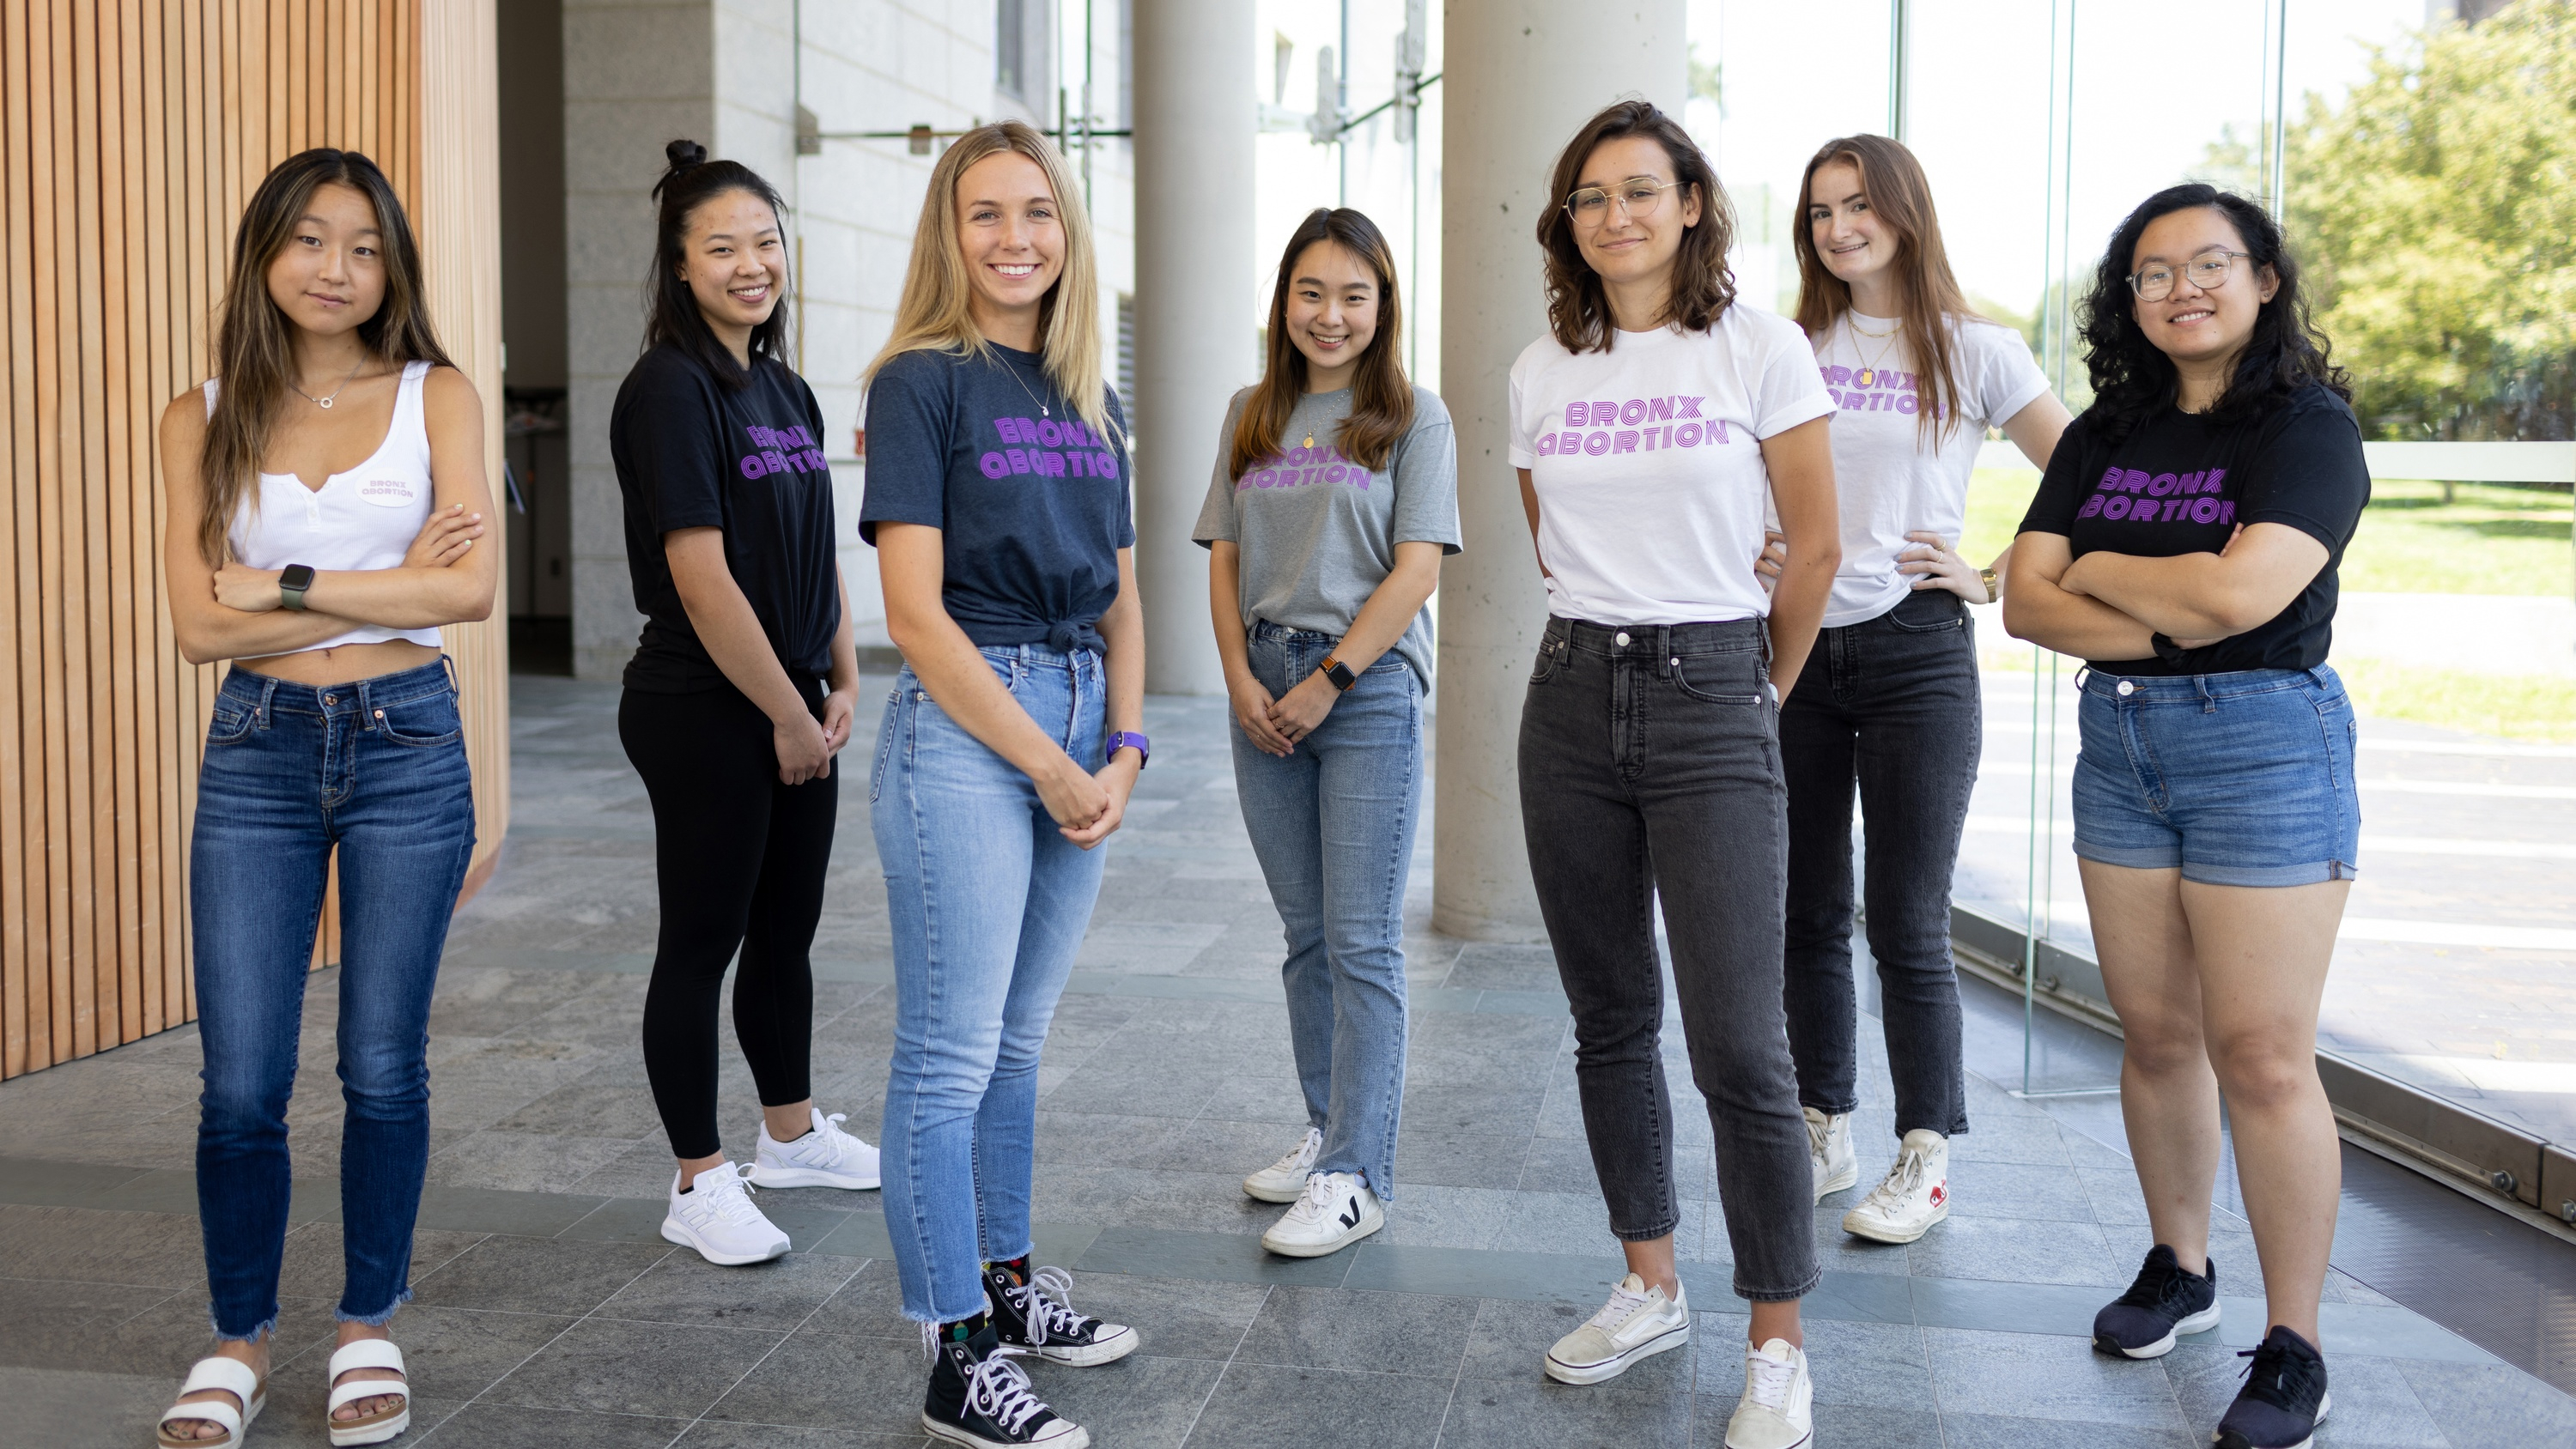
<point>933,315</point>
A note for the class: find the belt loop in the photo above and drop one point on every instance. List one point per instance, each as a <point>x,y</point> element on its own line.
<point>448,663</point>
<point>2083,672</point>
<point>267,698</point>
<point>364,694</point>
<point>2208,701</point>
<point>1663,651</point>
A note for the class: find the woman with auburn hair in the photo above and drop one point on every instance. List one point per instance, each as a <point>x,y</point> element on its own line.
<point>2184,543</point>
<point>1888,703</point>
<point>997,499</point>
<point>326,493</point>
<point>1652,427</point>
<point>1335,496</point>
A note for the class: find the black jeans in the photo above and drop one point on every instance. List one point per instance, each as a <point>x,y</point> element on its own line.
<point>740,859</point>
<point>1648,763</point>
<point>1891,704</point>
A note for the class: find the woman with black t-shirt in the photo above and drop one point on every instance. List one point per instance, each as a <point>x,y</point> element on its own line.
<point>2184,543</point>
<point>739,694</point>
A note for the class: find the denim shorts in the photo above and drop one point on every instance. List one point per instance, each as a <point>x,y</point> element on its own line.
<point>2240,779</point>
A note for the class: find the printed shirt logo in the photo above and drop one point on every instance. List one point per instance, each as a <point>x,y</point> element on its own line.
<point>1606,426</point>
<point>1046,448</point>
<point>780,450</point>
<point>389,492</point>
<point>2135,495</point>
<point>1300,466</point>
<point>1874,389</point>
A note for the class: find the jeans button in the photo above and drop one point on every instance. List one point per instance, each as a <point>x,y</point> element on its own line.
<point>2126,687</point>
<point>330,699</point>
<point>1620,639</point>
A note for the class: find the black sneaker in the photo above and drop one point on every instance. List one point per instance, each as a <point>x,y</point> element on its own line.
<point>2163,1304</point>
<point>979,1397</point>
<point>2284,1398</point>
<point>1038,1317</point>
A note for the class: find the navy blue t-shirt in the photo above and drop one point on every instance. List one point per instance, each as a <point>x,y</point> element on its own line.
<point>693,453</point>
<point>1031,503</point>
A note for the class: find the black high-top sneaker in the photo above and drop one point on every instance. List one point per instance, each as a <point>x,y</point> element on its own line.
<point>2164,1303</point>
<point>979,1397</point>
<point>2284,1398</point>
<point>1037,1316</point>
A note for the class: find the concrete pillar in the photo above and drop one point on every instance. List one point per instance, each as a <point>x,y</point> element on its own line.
<point>1197,305</point>
<point>1519,76</point>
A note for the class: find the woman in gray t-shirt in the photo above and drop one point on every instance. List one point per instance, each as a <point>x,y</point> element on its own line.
<point>1336,493</point>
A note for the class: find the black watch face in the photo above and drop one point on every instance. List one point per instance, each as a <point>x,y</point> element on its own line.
<point>295,576</point>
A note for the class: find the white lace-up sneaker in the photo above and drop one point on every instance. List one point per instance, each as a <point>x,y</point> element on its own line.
<point>1778,1410</point>
<point>716,1217</point>
<point>1335,1211</point>
<point>1285,1180</point>
<point>1829,1151</point>
<point>1914,1195</point>
<point>824,1157</point>
<point>1637,1323</point>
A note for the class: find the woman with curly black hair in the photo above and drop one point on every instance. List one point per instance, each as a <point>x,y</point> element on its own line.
<point>2184,542</point>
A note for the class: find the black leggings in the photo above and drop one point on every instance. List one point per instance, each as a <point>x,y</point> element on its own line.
<point>740,860</point>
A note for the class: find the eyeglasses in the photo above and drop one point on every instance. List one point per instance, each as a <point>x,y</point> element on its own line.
<point>2207,271</point>
<point>1640,196</point>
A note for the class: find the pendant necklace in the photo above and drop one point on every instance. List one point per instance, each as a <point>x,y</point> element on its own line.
<point>1024,387</point>
<point>324,403</point>
<point>1858,332</point>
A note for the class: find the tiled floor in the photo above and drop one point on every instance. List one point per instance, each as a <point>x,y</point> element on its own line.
<point>549,1312</point>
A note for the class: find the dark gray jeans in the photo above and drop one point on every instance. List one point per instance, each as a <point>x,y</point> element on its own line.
<point>1648,759</point>
<point>1890,704</point>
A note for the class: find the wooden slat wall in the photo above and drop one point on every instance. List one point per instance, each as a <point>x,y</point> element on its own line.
<point>131,133</point>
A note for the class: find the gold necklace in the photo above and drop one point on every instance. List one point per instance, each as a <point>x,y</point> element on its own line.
<point>1858,332</point>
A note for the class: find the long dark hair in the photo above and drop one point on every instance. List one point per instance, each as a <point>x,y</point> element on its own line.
<point>255,343</point>
<point>2132,378</point>
<point>1900,195</point>
<point>1381,395</point>
<point>1578,308</point>
<point>671,312</point>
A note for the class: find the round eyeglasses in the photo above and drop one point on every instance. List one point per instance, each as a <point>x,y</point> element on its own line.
<point>1640,196</point>
<point>2208,271</point>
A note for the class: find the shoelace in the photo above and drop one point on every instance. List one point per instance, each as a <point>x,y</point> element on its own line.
<point>1304,1156</point>
<point>1767,1381</point>
<point>1623,1305</point>
<point>999,1390</point>
<point>1818,1134</point>
<point>2154,1286</point>
<point>2279,1377</point>
<point>1046,1305</point>
<point>1901,1180</point>
<point>1316,1201</point>
<point>834,1142</point>
<point>727,1196</point>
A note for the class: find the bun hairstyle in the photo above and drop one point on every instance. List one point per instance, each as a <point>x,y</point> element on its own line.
<point>1578,308</point>
<point>671,312</point>
<point>2132,377</point>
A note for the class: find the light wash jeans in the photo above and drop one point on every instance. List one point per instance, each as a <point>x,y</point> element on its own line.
<point>1333,827</point>
<point>988,903</point>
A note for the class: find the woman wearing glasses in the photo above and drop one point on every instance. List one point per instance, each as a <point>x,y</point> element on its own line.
<point>1889,701</point>
<point>2184,542</point>
<point>1651,427</point>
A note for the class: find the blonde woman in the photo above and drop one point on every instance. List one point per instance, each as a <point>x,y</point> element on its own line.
<point>997,499</point>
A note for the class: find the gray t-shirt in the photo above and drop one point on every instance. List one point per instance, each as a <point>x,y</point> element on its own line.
<point>1318,533</point>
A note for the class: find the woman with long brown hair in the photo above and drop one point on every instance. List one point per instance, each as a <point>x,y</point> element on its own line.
<point>1335,496</point>
<point>1888,702</point>
<point>326,494</point>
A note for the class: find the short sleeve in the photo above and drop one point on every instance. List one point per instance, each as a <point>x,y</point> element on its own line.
<point>1787,389</point>
<point>1426,477</point>
<point>2007,377</point>
<point>673,435</point>
<point>1126,467</point>
<point>909,412</point>
<point>2052,508</point>
<point>1218,516</point>
<point>1523,449</point>
<point>2310,474</point>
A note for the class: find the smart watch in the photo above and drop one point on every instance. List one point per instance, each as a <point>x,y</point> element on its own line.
<point>1339,673</point>
<point>1125,739</point>
<point>292,581</point>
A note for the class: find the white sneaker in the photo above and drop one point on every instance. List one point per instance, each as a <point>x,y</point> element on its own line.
<point>1914,1195</point>
<point>1335,1211</point>
<point>1829,1151</point>
<point>1285,1180</point>
<point>823,1157</point>
<point>716,1218</point>
<point>1637,1323</point>
<point>1778,1410</point>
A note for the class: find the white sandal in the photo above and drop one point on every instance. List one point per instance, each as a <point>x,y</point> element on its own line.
<point>375,1428</point>
<point>218,1372</point>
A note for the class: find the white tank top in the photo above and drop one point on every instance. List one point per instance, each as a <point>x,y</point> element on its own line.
<point>362,519</point>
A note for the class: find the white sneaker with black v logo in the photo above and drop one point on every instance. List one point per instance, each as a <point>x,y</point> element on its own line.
<point>1335,1211</point>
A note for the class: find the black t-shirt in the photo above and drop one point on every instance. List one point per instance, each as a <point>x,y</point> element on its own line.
<point>692,453</point>
<point>1031,503</point>
<point>2180,483</point>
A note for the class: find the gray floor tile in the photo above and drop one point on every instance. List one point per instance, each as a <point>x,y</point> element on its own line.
<point>1339,1328</point>
<point>652,1369</point>
<point>1142,1400</point>
<point>2023,1251</point>
<point>1385,1411</point>
<point>1478,1159</point>
<point>2372,1403</point>
<point>715,1434</point>
<point>2490,1406</point>
<point>450,1353</point>
<point>537,1275</point>
<point>85,1245</point>
<point>499,1426</point>
<point>1859,1365</point>
<point>2030,1376</point>
<point>1981,1189</point>
<point>316,1265</point>
<point>1540,1414</point>
<point>1174,1317</point>
<point>1836,1424</point>
<point>1217,1257</point>
<point>685,1288</point>
<point>812,1380</point>
<point>1987,1431</point>
<point>1429,1216</point>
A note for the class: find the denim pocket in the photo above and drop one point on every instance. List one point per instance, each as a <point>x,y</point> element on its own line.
<point>885,745</point>
<point>1718,687</point>
<point>1948,617</point>
<point>1551,657</point>
<point>232,723</point>
<point>423,723</point>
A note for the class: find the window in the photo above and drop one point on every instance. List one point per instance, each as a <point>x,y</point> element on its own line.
<point>1011,47</point>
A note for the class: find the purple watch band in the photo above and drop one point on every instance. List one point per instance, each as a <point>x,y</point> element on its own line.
<point>1121,740</point>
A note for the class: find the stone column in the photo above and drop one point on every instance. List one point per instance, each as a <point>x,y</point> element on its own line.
<point>1519,77</point>
<point>1197,305</point>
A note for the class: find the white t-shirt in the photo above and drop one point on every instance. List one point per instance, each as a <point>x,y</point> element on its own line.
<point>1648,464</point>
<point>1890,480</point>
